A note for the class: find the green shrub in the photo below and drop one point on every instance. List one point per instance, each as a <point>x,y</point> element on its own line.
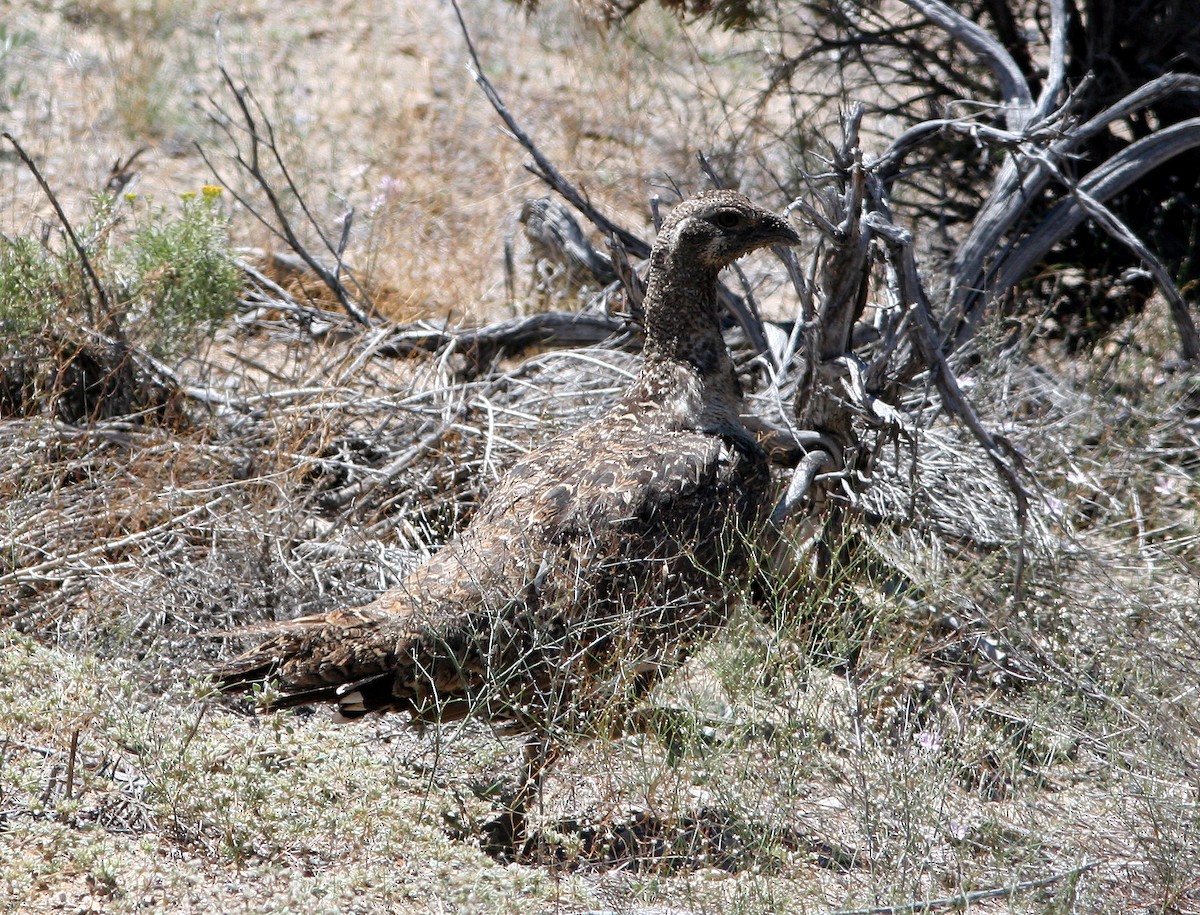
<point>167,280</point>
<point>167,277</point>
<point>183,280</point>
<point>32,283</point>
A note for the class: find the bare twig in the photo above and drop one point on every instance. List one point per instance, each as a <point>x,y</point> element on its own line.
<point>84,260</point>
<point>1106,180</point>
<point>1057,62</point>
<point>1189,340</point>
<point>912,295</point>
<point>284,301</point>
<point>72,753</point>
<point>635,288</point>
<point>800,483</point>
<point>545,170</point>
<point>260,134</point>
<point>513,335</point>
<point>40,572</point>
<point>1013,87</point>
<point>556,236</point>
<point>1019,186</point>
<point>543,167</point>
<point>966,899</point>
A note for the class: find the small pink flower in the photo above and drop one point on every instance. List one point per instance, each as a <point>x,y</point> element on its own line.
<point>929,741</point>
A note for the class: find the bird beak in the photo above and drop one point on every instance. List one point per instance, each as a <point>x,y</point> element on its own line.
<point>779,232</point>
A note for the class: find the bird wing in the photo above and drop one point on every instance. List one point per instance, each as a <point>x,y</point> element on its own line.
<point>567,502</point>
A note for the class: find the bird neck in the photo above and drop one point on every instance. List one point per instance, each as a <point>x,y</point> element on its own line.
<point>687,375</point>
<point>681,311</point>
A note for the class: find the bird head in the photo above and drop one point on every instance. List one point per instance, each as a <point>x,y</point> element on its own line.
<point>686,368</point>
<point>715,228</point>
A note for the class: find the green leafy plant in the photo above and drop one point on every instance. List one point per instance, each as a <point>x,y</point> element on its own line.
<point>138,277</point>
<point>181,279</point>
<point>31,284</point>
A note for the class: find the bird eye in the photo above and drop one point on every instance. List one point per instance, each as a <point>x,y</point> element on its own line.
<point>728,219</point>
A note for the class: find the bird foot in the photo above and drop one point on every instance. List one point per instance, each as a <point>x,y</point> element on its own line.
<point>503,836</point>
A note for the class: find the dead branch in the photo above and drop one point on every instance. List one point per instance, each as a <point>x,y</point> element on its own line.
<point>838,393</point>
<point>1035,120</point>
<point>1102,183</point>
<point>820,397</point>
<point>967,899</point>
<point>81,252</point>
<point>481,345</point>
<point>1036,151</point>
<point>1189,341</point>
<point>631,281</point>
<point>556,236</point>
<point>544,169</point>
<point>1013,88</point>
<point>281,300</point>
<point>911,294</point>
<point>254,126</point>
<point>50,570</point>
<point>1020,182</point>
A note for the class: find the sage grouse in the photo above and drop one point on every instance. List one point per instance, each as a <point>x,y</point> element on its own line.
<point>595,563</point>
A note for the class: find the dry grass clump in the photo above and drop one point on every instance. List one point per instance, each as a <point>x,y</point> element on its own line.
<point>130,542</point>
<point>907,731</point>
<point>151,807</point>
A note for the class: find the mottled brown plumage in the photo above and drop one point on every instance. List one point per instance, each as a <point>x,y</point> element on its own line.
<point>596,563</point>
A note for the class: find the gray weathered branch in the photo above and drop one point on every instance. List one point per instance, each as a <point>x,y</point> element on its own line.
<point>1013,87</point>
<point>1018,187</point>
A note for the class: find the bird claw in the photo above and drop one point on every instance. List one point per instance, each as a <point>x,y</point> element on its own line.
<point>503,836</point>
